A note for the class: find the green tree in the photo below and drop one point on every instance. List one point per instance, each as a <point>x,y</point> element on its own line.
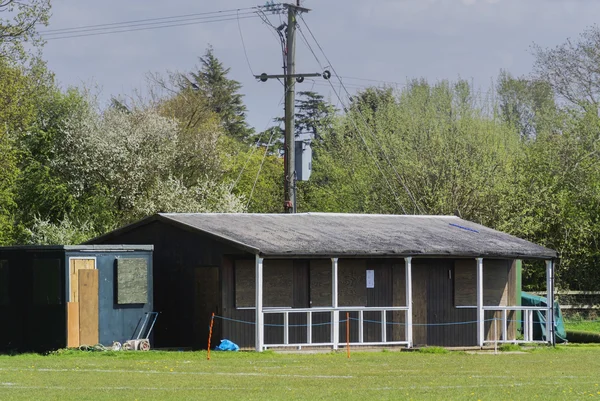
<point>526,104</point>
<point>19,28</point>
<point>313,114</point>
<point>430,149</point>
<point>16,113</point>
<point>220,94</point>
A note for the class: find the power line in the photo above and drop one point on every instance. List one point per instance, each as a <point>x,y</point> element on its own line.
<point>244,44</point>
<point>116,24</point>
<point>258,141</point>
<point>260,169</point>
<point>148,27</point>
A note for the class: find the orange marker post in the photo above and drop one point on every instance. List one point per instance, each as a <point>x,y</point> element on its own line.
<point>348,334</point>
<point>212,320</point>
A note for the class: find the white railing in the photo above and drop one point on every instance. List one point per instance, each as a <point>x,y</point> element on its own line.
<point>527,319</point>
<point>335,322</point>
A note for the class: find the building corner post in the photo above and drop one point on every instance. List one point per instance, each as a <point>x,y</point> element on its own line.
<point>409,303</point>
<point>550,302</point>
<point>480,311</point>
<point>259,327</point>
<point>335,318</point>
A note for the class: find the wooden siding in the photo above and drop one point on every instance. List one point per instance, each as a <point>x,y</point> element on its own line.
<point>448,326</point>
<point>206,298</point>
<point>232,327</point>
<point>420,290</point>
<point>34,322</point>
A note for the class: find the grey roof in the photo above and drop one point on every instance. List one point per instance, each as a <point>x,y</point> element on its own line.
<point>332,234</point>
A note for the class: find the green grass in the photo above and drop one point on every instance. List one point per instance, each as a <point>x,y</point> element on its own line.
<point>583,325</point>
<point>570,372</point>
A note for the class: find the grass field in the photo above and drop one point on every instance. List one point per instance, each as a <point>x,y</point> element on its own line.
<point>568,372</point>
<point>583,325</point>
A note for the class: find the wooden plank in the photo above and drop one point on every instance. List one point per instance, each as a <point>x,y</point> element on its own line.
<point>74,266</point>
<point>73,324</point>
<point>88,306</point>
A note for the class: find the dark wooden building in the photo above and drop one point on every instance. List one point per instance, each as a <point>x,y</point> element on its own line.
<point>277,280</point>
<point>57,296</point>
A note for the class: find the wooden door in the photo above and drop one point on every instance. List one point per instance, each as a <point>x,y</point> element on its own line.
<point>82,308</point>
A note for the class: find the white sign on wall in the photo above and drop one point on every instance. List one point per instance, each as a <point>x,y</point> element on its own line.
<point>370,278</point>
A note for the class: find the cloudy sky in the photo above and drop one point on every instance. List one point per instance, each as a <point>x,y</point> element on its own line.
<point>384,40</point>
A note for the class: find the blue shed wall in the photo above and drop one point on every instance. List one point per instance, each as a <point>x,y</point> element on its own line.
<point>116,322</point>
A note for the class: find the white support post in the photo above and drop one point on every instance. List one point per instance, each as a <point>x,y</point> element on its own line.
<point>480,312</point>
<point>409,304</point>
<point>550,301</point>
<point>286,328</point>
<point>383,326</point>
<point>260,317</point>
<point>361,328</point>
<point>335,318</point>
<point>309,328</point>
<point>504,325</point>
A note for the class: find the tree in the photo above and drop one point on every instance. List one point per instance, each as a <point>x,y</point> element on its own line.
<point>526,104</point>
<point>20,28</point>
<point>553,199</point>
<point>432,149</point>
<point>16,112</point>
<point>313,114</point>
<point>220,93</point>
<point>133,157</point>
<point>571,69</point>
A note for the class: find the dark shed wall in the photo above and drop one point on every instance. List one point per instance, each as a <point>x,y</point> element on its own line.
<point>116,322</point>
<point>184,266</point>
<point>33,311</point>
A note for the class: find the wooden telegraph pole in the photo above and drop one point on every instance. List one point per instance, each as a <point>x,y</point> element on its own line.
<point>290,78</point>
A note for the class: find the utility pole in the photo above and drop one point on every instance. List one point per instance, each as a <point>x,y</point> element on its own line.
<point>290,78</point>
<point>289,191</point>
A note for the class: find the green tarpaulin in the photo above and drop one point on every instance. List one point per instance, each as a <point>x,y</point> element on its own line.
<point>539,318</point>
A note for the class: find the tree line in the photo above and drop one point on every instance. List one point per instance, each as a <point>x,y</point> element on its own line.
<point>522,157</point>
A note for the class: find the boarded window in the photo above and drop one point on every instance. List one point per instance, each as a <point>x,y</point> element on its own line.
<point>4,285</point>
<point>352,282</point>
<point>495,282</point>
<point>278,281</point>
<point>320,283</point>
<point>245,283</point>
<point>132,281</point>
<point>47,282</point>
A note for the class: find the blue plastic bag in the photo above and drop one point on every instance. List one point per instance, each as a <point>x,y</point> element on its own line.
<point>227,345</point>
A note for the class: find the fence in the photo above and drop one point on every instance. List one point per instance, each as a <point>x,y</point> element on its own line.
<point>399,322</point>
<point>576,301</point>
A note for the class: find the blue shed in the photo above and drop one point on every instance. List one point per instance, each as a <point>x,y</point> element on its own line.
<point>57,296</point>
